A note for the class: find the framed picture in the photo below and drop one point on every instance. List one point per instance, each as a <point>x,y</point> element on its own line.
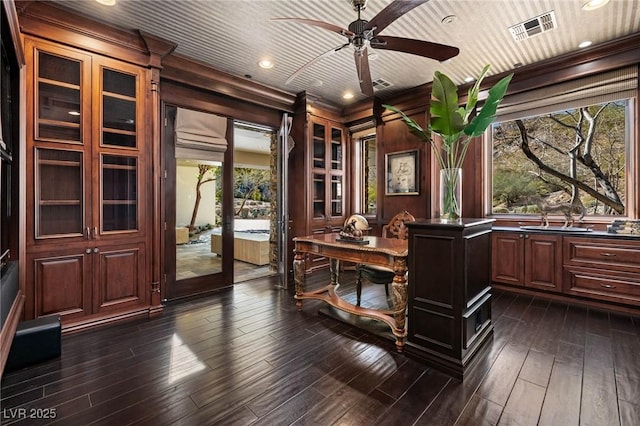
<point>403,170</point>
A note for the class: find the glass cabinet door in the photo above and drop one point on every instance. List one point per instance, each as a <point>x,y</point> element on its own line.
<point>59,193</point>
<point>318,194</point>
<point>58,97</point>
<point>319,146</point>
<point>119,179</point>
<point>118,109</point>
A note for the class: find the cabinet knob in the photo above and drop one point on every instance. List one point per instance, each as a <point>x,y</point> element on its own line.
<point>88,251</point>
<point>607,286</point>
<point>606,254</point>
<point>521,236</point>
<point>96,250</point>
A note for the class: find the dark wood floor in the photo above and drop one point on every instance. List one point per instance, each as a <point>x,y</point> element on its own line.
<point>246,356</point>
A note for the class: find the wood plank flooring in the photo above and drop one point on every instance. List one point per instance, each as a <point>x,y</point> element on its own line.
<point>246,356</point>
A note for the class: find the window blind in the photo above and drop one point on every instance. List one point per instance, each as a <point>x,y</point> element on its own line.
<point>592,90</point>
<point>200,135</point>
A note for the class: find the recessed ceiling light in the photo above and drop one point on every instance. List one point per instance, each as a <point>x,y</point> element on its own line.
<point>347,95</point>
<point>584,44</point>
<point>373,56</point>
<point>316,83</point>
<point>107,2</point>
<point>594,4</point>
<point>449,19</point>
<point>266,63</point>
<point>468,79</point>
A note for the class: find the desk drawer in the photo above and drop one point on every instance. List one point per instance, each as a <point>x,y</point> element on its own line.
<point>605,254</point>
<point>623,287</point>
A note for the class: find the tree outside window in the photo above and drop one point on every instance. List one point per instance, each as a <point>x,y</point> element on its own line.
<point>577,155</point>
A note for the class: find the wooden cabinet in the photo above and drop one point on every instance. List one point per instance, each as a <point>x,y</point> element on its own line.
<point>88,186</point>
<point>605,269</point>
<point>327,190</point>
<point>319,183</point>
<point>599,268</point>
<point>449,291</point>
<point>527,259</point>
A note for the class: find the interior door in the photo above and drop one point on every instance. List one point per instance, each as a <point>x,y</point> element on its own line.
<point>197,216</point>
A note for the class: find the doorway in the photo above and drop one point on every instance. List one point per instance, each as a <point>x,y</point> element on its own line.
<point>218,201</point>
<point>198,208</point>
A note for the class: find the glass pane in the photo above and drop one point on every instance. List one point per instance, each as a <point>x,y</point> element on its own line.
<point>58,112</point>
<point>336,149</point>
<point>58,68</point>
<point>198,218</point>
<point>588,144</point>
<point>117,82</point>
<point>119,193</point>
<point>370,179</point>
<point>119,114</point>
<point>318,146</point>
<point>336,195</point>
<point>318,196</point>
<point>59,192</point>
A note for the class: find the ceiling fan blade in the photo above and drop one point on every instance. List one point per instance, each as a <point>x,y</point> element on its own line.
<point>364,73</point>
<point>392,12</point>
<point>314,60</point>
<point>440,52</point>
<point>327,26</point>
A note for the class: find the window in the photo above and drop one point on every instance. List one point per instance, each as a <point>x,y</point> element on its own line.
<point>369,176</point>
<point>566,146</point>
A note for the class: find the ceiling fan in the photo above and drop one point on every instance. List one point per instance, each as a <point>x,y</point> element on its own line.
<point>363,34</point>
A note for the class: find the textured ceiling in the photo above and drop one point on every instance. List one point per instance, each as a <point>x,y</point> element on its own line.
<point>233,35</point>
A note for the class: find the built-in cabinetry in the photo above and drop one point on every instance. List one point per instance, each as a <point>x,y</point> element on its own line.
<point>525,259</point>
<point>449,291</point>
<point>319,185</point>
<point>87,184</point>
<point>595,267</point>
<point>602,268</point>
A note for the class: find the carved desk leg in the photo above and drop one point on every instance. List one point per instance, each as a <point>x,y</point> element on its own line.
<point>399,297</point>
<point>334,267</point>
<point>299,266</point>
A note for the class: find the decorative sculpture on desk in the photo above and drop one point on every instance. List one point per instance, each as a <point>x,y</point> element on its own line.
<point>567,209</point>
<point>354,230</point>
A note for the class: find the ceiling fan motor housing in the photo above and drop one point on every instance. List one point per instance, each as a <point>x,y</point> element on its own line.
<point>357,26</point>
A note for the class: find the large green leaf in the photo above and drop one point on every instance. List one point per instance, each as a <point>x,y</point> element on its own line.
<point>472,97</point>
<point>445,117</point>
<point>488,112</point>
<point>414,127</point>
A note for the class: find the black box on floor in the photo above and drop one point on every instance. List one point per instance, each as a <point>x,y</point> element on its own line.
<point>35,340</point>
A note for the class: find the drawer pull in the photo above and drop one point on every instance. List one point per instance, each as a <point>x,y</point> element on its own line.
<point>607,286</point>
<point>605,254</point>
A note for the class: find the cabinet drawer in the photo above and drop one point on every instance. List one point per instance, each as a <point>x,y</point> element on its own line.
<point>594,283</point>
<point>606,254</point>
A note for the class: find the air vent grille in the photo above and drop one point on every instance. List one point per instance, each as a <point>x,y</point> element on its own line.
<point>381,83</point>
<point>537,25</point>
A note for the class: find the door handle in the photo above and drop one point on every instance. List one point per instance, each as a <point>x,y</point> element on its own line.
<point>95,232</point>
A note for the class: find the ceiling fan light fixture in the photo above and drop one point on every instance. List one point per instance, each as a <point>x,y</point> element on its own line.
<point>593,5</point>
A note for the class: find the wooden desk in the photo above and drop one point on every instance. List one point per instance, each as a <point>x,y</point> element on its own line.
<point>387,252</point>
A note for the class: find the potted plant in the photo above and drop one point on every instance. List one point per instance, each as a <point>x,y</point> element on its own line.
<point>457,126</point>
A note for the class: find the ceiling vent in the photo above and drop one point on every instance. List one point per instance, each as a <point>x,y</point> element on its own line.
<point>381,83</point>
<point>537,25</point>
